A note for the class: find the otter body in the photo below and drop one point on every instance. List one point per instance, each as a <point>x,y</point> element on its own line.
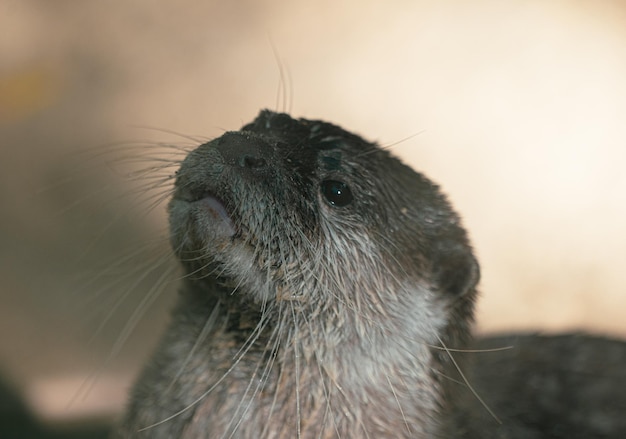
<point>329,290</point>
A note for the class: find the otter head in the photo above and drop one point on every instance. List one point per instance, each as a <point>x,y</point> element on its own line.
<point>358,262</point>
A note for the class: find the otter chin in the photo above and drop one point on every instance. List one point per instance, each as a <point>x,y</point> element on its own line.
<point>329,293</point>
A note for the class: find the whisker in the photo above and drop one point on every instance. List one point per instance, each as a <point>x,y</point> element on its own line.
<point>284,94</point>
<point>204,333</point>
<point>195,139</point>
<point>263,379</point>
<point>406,423</point>
<point>467,383</point>
<point>296,355</point>
<point>240,354</point>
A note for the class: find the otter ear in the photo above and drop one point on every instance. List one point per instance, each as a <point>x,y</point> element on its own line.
<point>457,272</point>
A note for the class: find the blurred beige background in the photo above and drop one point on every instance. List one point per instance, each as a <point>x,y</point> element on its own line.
<point>518,109</point>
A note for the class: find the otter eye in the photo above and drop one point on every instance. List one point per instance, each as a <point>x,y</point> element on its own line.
<point>337,193</point>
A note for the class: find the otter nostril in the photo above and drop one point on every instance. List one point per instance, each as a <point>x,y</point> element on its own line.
<point>246,151</point>
<point>252,162</point>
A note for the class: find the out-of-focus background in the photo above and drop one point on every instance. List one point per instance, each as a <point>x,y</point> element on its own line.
<point>518,109</point>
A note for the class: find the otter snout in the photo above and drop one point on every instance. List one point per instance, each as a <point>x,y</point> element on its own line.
<point>248,152</point>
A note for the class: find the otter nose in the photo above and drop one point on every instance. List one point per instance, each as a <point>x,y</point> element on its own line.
<point>245,151</point>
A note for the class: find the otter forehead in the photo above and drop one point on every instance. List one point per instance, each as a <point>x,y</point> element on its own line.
<point>300,133</point>
<point>307,146</point>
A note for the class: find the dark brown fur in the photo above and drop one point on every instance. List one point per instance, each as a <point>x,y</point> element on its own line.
<point>328,291</point>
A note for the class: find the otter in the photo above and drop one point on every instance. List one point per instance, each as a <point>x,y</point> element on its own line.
<point>329,292</point>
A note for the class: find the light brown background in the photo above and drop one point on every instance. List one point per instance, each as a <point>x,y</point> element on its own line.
<point>517,108</point>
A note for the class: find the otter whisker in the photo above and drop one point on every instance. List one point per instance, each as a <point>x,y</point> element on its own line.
<point>140,309</point>
<point>147,300</point>
<point>146,269</point>
<point>240,354</point>
<point>284,94</point>
<point>202,337</point>
<point>406,423</point>
<point>276,336</point>
<point>195,140</point>
<point>265,373</point>
<point>467,383</point>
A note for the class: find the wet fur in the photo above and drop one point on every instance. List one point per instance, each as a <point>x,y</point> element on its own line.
<point>298,318</point>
